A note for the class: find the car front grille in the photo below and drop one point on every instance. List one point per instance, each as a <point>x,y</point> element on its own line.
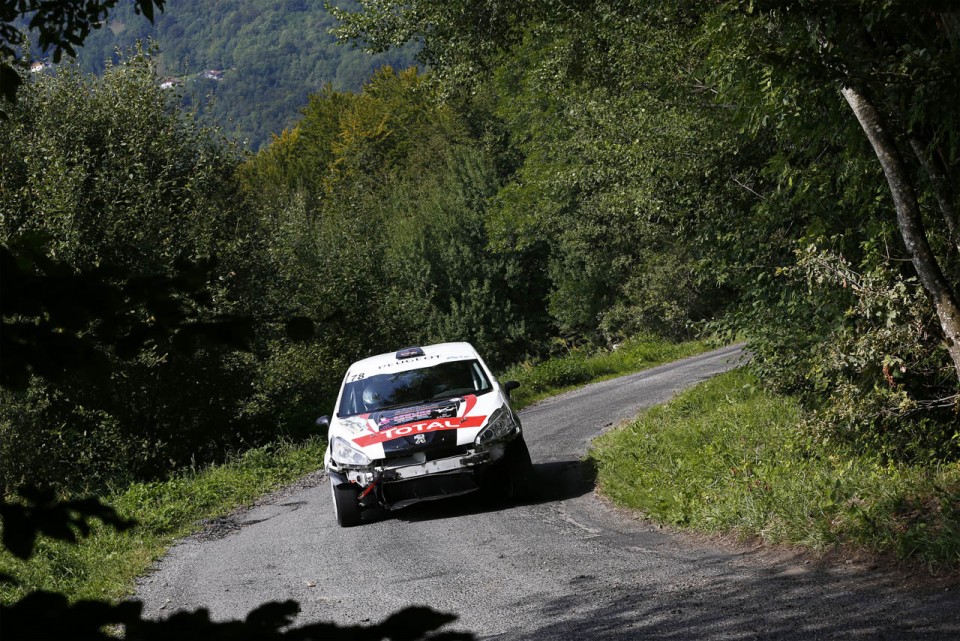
<point>428,487</point>
<point>435,453</point>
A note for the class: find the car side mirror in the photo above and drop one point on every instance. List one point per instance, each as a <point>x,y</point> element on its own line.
<point>509,386</point>
<point>324,424</point>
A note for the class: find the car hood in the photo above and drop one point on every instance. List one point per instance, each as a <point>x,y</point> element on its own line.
<point>430,427</point>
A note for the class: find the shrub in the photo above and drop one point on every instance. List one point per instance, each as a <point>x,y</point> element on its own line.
<point>109,173</point>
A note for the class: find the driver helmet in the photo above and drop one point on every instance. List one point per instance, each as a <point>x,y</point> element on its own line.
<point>371,396</point>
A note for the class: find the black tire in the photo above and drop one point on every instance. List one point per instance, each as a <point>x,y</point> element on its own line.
<point>521,479</point>
<point>346,504</point>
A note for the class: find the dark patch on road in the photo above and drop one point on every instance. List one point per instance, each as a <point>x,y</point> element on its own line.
<point>223,526</point>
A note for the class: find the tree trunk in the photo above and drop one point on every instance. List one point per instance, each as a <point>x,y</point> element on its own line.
<point>909,221</point>
<point>941,188</point>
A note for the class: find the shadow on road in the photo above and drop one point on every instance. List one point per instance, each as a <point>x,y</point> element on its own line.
<point>556,481</point>
<point>739,602</point>
<point>725,595</point>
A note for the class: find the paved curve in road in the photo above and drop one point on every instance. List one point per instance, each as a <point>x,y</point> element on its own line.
<point>568,566</point>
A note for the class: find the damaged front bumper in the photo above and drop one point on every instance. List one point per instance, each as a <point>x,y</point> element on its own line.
<point>396,483</point>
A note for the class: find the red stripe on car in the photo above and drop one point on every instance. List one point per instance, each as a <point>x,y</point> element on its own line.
<point>434,425</point>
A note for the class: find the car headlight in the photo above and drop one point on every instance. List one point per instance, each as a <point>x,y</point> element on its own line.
<point>500,426</point>
<point>344,454</point>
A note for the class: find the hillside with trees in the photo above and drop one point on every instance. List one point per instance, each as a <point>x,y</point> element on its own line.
<point>247,66</point>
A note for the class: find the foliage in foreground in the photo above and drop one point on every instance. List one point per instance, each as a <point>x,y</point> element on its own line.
<point>271,621</point>
<point>43,614</point>
<point>104,565</point>
<point>727,456</point>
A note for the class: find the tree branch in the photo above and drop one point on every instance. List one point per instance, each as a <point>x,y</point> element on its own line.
<point>909,220</point>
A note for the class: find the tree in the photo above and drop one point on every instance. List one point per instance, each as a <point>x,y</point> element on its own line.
<point>895,64</point>
<point>110,172</point>
<point>99,309</point>
<point>381,198</point>
<point>128,247</point>
<point>597,98</point>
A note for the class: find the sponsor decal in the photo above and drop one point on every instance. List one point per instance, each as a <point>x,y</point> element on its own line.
<point>448,408</point>
<point>355,424</point>
<point>423,427</point>
<point>389,419</point>
<point>419,439</point>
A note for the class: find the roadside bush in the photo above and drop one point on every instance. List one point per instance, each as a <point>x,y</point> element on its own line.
<point>109,174</point>
<point>553,373</point>
<point>665,296</point>
<point>297,383</point>
<point>861,349</point>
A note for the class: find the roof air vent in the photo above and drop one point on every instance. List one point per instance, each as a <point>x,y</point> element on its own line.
<point>409,352</point>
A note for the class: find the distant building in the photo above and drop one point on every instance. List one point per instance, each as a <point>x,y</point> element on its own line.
<point>213,74</point>
<point>170,83</point>
<point>38,66</point>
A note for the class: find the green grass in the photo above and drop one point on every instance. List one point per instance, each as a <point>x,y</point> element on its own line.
<point>557,375</point>
<point>728,457</point>
<point>105,565</point>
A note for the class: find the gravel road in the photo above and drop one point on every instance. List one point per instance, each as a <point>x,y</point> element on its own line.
<point>566,567</point>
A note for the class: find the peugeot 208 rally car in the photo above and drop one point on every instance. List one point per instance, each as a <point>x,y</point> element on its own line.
<point>422,423</point>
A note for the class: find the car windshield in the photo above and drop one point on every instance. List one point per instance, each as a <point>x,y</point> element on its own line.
<point>385,391</point>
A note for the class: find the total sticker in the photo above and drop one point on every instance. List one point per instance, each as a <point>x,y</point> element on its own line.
<point>420,428</point>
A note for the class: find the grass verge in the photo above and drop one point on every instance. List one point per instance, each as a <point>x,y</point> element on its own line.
<point>726,456</point>
<point>557,375</point>
<point>105,565</point>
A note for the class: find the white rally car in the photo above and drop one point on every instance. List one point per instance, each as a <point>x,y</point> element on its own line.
<point>422,423</point>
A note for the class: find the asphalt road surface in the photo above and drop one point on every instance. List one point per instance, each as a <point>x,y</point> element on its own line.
<point>567,567</point>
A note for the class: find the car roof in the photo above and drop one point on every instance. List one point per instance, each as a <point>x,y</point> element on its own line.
<point>432,355</point>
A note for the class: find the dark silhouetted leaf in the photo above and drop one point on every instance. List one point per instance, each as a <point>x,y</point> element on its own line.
<point>10,81</point>
<point>300,329</point>
<point>42,513</point>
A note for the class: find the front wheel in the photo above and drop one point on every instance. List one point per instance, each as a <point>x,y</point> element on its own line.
<point>521,478</point>
<point>346,503</point>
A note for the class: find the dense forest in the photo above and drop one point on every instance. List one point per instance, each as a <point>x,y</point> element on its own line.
<point>246,66</point>
<point>783,171</point>
<point>566,175</point>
